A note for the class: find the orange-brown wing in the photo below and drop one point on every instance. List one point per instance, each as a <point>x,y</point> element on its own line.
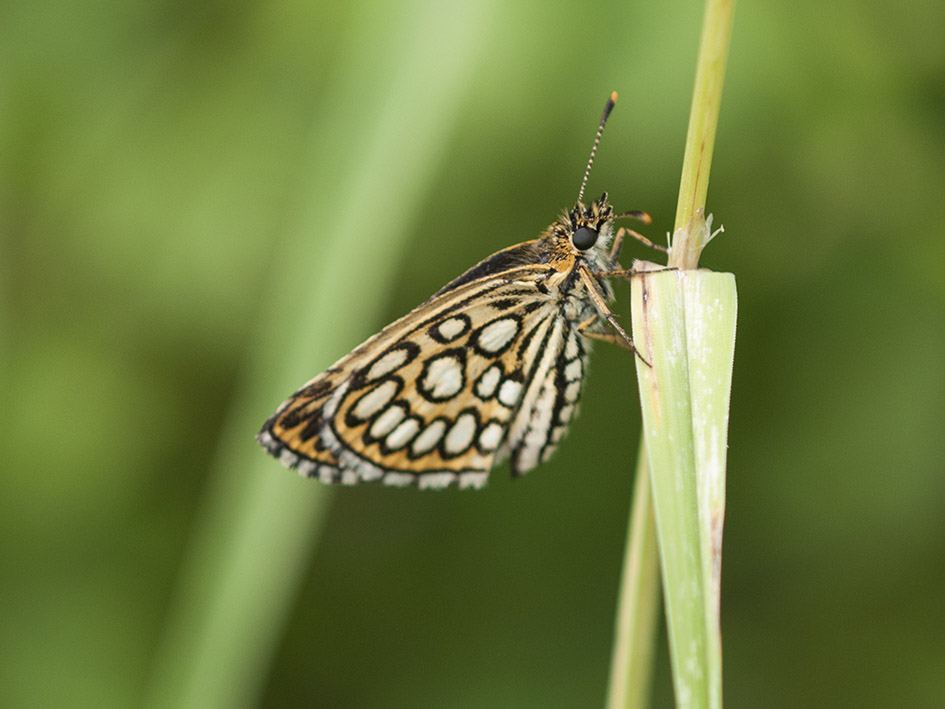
<point>431,398</point>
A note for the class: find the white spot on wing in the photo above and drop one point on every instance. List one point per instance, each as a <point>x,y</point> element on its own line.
<point>509,392</point>
<point>460,435</point>
<point>571,348</point>
<point>573,392</point>
<point>435,481</point>
<point>488,382</point>
<point>375,400</point>
<point>402,435</point>
<point>385,423</point>
<point>477,481</point>
<point>399,479</point>
<point>387,364</point>
<point>354,469</point>
<point>573,370</point>
<point>567,411</point>
<point>307,467</point>
<point>428,439</point>
<point>443,378</point>
<point>491,436</point>
<point>370,473</point>
<point>288,458</point>
<point>497,335</point>
<point>452,328</point>
<point>267,441</point>
<point>331,406</point>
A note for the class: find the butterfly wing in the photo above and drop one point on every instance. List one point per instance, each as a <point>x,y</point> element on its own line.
<point>552,400</point>
<point>444,393</point>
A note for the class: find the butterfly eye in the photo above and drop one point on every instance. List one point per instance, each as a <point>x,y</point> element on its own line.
<point>584,238</point>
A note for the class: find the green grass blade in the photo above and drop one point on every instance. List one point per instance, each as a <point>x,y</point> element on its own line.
<point>687,317</point>
<point>710,306</point>
<point>632,657</point>
<point>659,331</point>
<point>684,324</point>
<point>700,137</point>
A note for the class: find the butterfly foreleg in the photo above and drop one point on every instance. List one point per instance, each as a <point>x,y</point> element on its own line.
<point>617,246</point>
<point>628,272</point>
<point>597,298</point>
<point>642,239</point>
<point>624,232</point>
<point>609,337</point>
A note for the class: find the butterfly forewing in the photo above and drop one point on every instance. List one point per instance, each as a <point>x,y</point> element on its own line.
<point>444,393</point>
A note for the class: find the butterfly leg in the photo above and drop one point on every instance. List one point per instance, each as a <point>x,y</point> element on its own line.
<point>608,337</point>
<point>627,272</point>
<point>624,232</point>
<point>593,290</point>
<point>617,245</point>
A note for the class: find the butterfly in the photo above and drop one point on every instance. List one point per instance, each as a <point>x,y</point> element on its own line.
<point>489,368</point>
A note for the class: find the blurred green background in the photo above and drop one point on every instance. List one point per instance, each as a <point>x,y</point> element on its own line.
<point>205,204</point>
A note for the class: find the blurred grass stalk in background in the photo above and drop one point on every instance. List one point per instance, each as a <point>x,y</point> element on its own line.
<point>255,536</point>
<point>684,324</point>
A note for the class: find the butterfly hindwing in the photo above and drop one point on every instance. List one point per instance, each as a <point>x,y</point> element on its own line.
<point>557,390</point>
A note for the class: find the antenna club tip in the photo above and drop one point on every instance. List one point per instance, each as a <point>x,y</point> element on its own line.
<point>613,97</point>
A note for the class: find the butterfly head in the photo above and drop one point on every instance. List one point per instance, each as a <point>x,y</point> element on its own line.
<point>585,227</point>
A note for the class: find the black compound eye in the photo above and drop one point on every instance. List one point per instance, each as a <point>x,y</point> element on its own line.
<point>584,238</point>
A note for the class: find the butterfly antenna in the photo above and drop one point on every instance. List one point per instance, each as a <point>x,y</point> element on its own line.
<point>600,129</point>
